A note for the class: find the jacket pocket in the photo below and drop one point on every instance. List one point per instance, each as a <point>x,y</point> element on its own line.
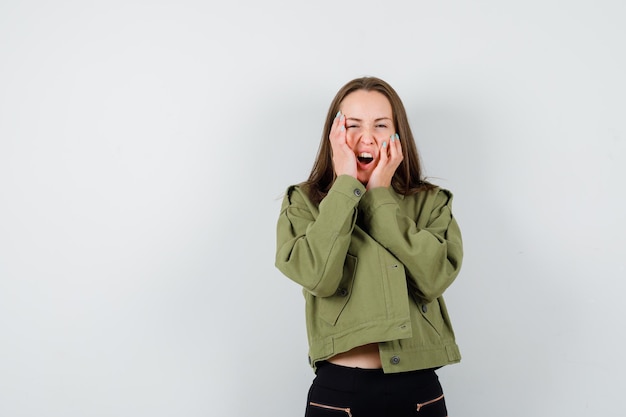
<point>330,308</point>
<point>431,312</point>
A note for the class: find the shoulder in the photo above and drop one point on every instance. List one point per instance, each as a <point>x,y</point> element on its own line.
<point>428,203</point>
<point>443,195</point>
<point>297,190</point>
<point>296,194</point>
<point>439,198</point>
<point>432,195</point>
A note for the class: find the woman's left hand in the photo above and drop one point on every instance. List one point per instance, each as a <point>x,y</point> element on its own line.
<point>389,160</point>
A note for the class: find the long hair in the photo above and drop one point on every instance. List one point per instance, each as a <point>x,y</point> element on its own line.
<point>407,179</point>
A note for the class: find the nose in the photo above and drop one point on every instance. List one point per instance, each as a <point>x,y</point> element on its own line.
<point>367,137</point>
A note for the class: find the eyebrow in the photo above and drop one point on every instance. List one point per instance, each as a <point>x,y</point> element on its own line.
<point>376,120</point>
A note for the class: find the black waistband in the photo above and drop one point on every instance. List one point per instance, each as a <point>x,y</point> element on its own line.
<point>348,379</point>
<point>341,368</point>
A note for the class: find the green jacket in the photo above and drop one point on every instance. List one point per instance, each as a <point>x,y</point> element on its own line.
<point>373,266</point>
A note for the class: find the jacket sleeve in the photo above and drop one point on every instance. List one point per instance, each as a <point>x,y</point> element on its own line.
<point>429,245</point>
<point>312,242</point>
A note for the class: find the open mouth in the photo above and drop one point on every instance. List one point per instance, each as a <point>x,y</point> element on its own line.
<point>365,157</point>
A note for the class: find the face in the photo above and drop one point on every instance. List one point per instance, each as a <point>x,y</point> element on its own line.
<point>369,123</point>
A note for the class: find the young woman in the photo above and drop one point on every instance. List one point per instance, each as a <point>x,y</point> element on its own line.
<point>374,246</point>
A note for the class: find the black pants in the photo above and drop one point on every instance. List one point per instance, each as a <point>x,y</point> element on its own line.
<point>340,391</point>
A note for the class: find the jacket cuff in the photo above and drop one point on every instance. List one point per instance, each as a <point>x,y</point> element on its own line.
<point>349,187</point>
<point>375,198</point>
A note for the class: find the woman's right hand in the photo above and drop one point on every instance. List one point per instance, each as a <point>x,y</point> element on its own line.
<point>344,160</point>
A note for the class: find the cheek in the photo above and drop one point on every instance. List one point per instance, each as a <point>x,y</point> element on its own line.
<point>379,139</point>
<point>351,140</point>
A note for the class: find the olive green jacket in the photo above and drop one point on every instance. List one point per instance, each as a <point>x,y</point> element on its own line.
<point>373,266</point>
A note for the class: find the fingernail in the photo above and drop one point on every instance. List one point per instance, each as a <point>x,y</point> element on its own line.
<point>397,137</point>
<point>392,137</point>
<point>342,128</point>
<point>384,144</point>
<point>338,114</point>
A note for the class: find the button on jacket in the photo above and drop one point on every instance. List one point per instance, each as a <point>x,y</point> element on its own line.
<point>373,266</point>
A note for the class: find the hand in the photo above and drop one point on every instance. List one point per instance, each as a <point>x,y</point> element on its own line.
<point>388,162</point>
<point>344,160</point>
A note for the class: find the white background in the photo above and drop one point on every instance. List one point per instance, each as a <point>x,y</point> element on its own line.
<point>145,145</point>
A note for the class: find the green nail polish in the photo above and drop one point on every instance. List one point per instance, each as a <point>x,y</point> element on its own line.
<point>342,128</point>
<point>392,137</point>
<point>338,114</point>
<point>397,137</point>
<point>384,144</point>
